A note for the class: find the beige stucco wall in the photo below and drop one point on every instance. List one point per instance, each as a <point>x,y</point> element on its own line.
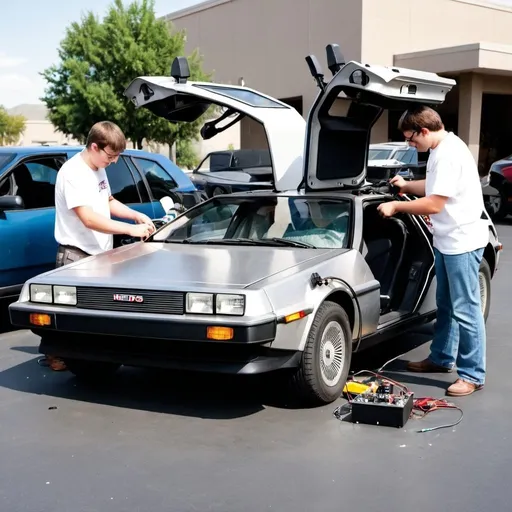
<point>266,41</point>
<point>392,27</point>
<point>43,132</point>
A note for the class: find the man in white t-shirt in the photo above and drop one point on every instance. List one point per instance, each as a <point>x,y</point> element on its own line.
<point>453,200</point>
<point>84,203</point>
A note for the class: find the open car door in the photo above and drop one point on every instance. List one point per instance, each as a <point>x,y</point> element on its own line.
<point>337,146</point>
<point>177,99</point>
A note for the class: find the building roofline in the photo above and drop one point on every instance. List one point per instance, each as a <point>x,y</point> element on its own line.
<point>491,47</point>
<point>203,6</point>
<point>487,4</point>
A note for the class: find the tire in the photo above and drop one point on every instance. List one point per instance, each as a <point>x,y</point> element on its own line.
<point>326,358</point>
<point>91,370</point>
<point>484,278</point>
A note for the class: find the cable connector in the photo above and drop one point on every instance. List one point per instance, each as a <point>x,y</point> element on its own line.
<point>316,280</point>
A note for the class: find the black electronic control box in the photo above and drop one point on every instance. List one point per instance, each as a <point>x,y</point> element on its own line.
<point>382,409</point>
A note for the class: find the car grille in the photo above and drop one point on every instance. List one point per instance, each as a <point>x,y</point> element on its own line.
<point>171,303</point>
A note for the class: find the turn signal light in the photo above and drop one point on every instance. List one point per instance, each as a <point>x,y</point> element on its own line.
<point>219,333</point>
<point>40,319</point>
<point>294,316</point>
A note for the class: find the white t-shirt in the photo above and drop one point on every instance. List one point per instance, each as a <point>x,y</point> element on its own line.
<point>452,172</point>
<point>78,185</point>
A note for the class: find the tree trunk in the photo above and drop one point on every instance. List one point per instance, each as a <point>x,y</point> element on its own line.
<point>139,142</point>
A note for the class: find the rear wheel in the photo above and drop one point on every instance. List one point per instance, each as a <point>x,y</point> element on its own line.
<point>326,358</point>
<point>91,370</point>
<point>484,279</point>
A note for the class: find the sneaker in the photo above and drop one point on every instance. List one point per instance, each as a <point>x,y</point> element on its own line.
<point>427,366</point>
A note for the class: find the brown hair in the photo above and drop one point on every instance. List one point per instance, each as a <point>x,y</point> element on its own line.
<point>414,119</point>
<point>106,133</point>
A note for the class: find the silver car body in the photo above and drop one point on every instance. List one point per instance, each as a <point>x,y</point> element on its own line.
<point>274,280</point>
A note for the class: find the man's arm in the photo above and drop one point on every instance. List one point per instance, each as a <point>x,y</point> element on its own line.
<point>120,210</point>
<point>424,206</point>
<point>92,220</point>
<point>414,188</point>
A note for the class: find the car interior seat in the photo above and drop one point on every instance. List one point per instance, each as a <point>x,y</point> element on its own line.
<point>25,186</point>
<point>385,241</point>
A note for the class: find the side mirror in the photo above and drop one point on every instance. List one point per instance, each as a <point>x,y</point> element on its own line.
<point>335,59</point>
<point>11,203</point>
<point>316,71</point>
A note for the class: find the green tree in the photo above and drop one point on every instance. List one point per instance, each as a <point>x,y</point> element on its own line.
<point>186,156</point>
<point>99,59</point>
<point>11,127</point>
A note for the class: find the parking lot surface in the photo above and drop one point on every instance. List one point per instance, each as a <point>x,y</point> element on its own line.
<point>159,441</point>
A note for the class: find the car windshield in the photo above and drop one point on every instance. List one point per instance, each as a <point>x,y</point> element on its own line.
<point>5,158</point>
<point>379,154</point>
<point>250,97</point>
<point>263,220</point>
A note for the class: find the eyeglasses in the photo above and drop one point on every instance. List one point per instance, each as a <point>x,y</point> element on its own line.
<point>110,157</point>
<point>409,139</point>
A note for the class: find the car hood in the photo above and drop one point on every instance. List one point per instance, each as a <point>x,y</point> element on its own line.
<point>160,266</point>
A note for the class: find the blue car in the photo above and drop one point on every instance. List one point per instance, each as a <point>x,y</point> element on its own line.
<point>138,179</point>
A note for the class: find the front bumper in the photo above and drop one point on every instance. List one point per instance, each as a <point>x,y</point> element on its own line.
<point>154,341</point>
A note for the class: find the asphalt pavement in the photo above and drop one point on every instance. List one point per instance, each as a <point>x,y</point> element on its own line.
<point>154,441</point>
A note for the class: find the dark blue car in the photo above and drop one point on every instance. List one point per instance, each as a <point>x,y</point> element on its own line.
<point>27,206</point>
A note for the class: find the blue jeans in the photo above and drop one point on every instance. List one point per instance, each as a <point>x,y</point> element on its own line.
<point>460,330</point>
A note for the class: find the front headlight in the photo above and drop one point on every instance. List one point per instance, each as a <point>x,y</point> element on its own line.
<point>64,295</point>
<point>41,293</point>
<point>199,303</point>
<point>230,304</point>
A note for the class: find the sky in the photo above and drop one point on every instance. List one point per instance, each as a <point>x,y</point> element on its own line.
<point>31,31</point>
<point>30,34</point>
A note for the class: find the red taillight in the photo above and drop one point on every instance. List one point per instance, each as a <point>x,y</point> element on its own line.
<point>507,172</point>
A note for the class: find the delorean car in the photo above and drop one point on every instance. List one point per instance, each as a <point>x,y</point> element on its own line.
<point>293,279</point>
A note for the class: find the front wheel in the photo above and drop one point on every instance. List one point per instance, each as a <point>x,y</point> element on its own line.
<point>484,279</point>
<point>326,358</point>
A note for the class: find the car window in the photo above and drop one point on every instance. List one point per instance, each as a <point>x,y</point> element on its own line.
<point>121,182</point>
<point>6,158</point>
<point>159,180</point>
<point>321,223</point>
<point>42,173</point>
<point>406,156</point>
<point>379,154</point>
<point>6,186</point>
<point>34,182</point>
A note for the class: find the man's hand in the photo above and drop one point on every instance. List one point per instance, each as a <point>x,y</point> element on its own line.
<point>141,218</point>
<point>387,209</point>
<point>399,182</point>
<point>140,231</point>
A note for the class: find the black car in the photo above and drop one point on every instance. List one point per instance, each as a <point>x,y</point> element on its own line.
<point>224,172</point>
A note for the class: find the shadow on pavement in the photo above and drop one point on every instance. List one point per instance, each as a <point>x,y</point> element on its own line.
<point>5,323</point>
<point>198,395</point>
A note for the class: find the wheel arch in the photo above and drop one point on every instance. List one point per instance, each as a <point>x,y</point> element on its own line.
<point>490,256</point>
<point>343,299</point>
